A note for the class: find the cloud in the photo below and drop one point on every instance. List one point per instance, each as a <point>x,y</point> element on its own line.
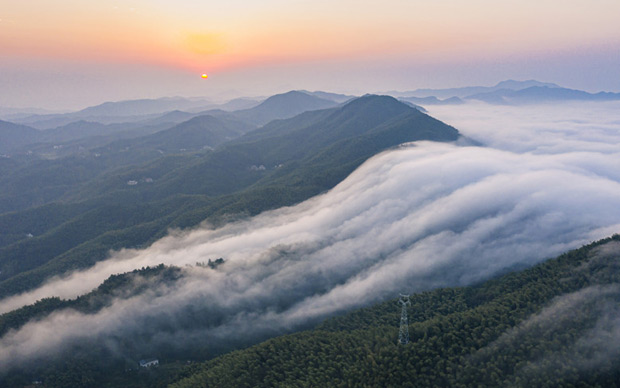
<point>414,218</point>
<point>576,332</point>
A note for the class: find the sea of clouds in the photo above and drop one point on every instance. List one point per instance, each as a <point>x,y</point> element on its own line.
<point>546,179</point>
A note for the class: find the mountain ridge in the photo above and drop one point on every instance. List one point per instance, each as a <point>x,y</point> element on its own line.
<point>280,164</point>
<point>541,94</point>
<point>469,90</point>
<point>506,331</point>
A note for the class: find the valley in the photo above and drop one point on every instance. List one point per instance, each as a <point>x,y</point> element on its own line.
<point>317,219</point>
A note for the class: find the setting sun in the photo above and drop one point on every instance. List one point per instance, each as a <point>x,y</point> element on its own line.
<point>204,76</point>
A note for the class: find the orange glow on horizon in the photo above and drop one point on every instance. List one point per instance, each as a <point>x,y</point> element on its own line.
<point>230,37</point>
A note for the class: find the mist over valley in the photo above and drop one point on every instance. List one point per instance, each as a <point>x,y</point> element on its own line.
<point>337,205</point>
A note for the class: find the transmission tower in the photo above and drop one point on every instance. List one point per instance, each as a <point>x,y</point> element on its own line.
<point>403,334</point>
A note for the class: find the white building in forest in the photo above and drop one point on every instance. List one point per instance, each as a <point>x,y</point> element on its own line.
<point>149,363</point>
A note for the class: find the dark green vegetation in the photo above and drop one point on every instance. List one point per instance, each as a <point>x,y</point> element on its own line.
<point>64,214</point>
<point>90,363</point>
<point>116,286</point>
<point>555,324</point>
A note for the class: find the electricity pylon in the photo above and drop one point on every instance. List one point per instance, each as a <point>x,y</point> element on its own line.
<point>403,334</point>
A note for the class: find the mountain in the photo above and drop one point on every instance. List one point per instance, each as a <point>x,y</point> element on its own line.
<point>142,107</point>
<point>519,85</point>
<point>555,324</point>
<point>505,93</point>
<point>156,111</point>
<point>540,94</point>
<point>174,117</point>
<point>470,90</point>
<point>432,100</point>
<point>13,136</point>
<point>66,139</point>
<point>239,103</point>
<point>282,163</point>
<point>276,107</point>
<point>117,112</point>
<point>336,97</point>
<point>92,140</point>
<point>284,142</point>
<point>44,122</point>
<point>194,134</point>
<point>283,106</point>
<point>68,164</point>
<point>83,139</point>
<point>72,131</point>
<point>9,114</point>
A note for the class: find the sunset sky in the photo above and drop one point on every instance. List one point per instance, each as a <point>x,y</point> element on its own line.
<point>69,54</point>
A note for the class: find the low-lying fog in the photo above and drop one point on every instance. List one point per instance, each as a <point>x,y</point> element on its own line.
<point>422,216</point>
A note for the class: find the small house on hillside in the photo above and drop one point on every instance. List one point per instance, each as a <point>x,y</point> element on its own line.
<point>149,363</point>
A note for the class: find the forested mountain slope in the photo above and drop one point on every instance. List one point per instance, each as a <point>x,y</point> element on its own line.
<point>15,135</point>
<point>282,163</point>
<point>556,324</point>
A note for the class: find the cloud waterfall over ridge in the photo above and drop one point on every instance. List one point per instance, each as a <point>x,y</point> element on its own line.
<point>418,217</point>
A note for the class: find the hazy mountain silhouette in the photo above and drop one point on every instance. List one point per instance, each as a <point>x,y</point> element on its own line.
<point>469,90</point>
<point>74,130</point>
<point>541,94</point>
<point>118,112</point>
<point>13,136</point>
<point>339,98</point>
<point>239,103</point>
<point>136,118</point>
<point>194,134</point>
<point>432,100</point>
<point>142,107</point>
<point>282,106</point>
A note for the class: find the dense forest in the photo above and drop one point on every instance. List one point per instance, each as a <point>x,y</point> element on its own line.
<point>554,324</point>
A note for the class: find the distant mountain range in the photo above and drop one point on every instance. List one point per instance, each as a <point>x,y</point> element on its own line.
<point>540,94</point>
<point>432,100</point>
<point>115,112</point>
<point>61,134</point>
<point>149,109</point>
<point>283,106</point>
<point>72,193</point>
<point>504,93</point>
<point>15,137</point>
<point>131,111</point>
<point>470,90</point>
<point>259,111</point>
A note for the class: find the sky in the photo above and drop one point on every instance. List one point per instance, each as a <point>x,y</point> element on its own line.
<point>69,54</point>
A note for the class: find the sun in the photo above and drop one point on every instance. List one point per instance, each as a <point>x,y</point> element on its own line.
<point>205,76</point>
